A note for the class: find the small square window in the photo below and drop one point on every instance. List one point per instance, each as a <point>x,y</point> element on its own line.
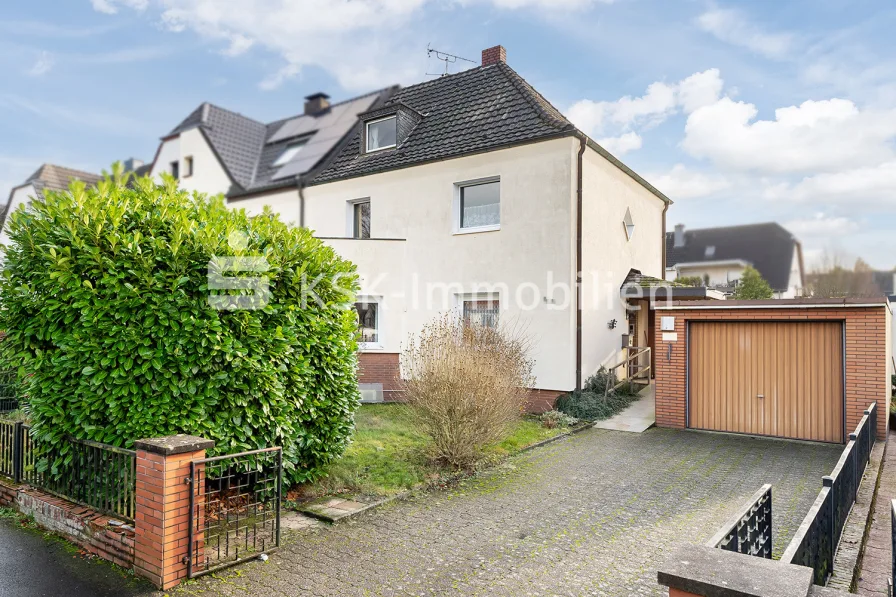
<point>482,312</point>
<point>368,322</point>
<point>710,251</point>
<point>361,219</point>
<point>175,170</point>
<point>290,152</point>
<point>188,166</point>
<point>480,205</point>
<point>382,134</point>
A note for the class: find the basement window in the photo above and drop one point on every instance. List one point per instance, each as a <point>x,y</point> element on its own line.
<point>382,133</point>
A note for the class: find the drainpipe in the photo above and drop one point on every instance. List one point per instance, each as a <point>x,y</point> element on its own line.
<point>582,144</point>
<point>663,265</point>
<point>301,184</point>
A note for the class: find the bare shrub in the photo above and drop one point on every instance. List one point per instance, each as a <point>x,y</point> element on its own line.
<point>466,384</point>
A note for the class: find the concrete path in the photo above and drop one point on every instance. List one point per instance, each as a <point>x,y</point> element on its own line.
<point>877,559</point>
<point>638,417</point>
<point>32,565</point>
<point>593,514</point>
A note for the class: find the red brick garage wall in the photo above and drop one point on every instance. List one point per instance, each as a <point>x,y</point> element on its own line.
<point>867,353</point>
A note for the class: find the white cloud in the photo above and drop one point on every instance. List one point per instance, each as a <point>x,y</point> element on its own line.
<point>821,225</point>
<point>110,7</point>
<point>549,4</point>
<point>659,102</point>
<point>42,66</point>
<point>733,27</point>
<point>363,43</point>
<point>622,144</point>
<point>816,136</point>
<point>858,186</point>
<point>683,183</point>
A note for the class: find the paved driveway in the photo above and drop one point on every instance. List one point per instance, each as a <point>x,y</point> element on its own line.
<point>591,515</point>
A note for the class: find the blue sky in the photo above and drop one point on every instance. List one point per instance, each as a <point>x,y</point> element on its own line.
<point>739,111</point>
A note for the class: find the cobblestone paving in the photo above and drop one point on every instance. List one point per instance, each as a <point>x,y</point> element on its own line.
<point>594,514</point>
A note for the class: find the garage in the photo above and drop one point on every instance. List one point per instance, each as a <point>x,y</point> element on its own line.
<point>783,379</point>
<point>801,369</point>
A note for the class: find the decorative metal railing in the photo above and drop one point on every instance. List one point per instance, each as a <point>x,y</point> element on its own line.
<point>816,540</point>
<point>750,530</point>
<point>96,475</point>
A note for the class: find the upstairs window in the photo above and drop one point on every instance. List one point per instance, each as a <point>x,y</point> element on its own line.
<point>290,152</point>
<point>361,219</point>
<point>188,166</point>
<point>382,133</point>
<point>479,206</point>
<point>175,169</point>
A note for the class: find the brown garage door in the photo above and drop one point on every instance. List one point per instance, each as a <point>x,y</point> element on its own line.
<point>781,379</point>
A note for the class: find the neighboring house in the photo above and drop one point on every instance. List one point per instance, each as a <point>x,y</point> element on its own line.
<point>471,192</point>
<point>719,256</point>
<point>218,151</point>
<point>47,177</point>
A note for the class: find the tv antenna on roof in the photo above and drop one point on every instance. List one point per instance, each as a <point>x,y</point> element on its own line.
<point>446,58</point>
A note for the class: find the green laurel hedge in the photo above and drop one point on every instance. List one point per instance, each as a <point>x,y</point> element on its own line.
<point>104,302</point>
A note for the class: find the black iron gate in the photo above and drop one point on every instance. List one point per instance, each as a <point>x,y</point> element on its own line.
<point>234,509</point>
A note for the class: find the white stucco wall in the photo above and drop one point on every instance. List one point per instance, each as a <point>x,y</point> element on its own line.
<point>209,176</point>
<point>285,203</point>
<point>794,281</point>
<point>608,254</point>
<point>421,276</point>
<point>19,196</point>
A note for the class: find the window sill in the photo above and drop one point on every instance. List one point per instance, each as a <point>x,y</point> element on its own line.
<point>370,346</point>
<point>492,228</point>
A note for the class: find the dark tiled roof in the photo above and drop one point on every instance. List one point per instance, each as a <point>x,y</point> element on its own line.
<point>248,148</point>
<point>236,139</point>
<point>476,110</point>
<point>57,178</point>
<point>767,247</point>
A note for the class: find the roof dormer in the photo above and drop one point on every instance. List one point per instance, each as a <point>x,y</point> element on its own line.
<point>387,127</point>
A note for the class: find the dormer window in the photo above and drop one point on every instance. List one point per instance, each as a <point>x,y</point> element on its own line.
<point>382,133</point>
<point>290,152</point>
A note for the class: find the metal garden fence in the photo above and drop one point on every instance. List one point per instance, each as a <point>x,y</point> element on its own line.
<point>234,508</point>
<point>9,400</point>
<point>815,543</point>
<point>750,530</point>
<point>96,475</point>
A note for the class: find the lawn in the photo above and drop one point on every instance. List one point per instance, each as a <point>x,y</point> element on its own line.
<point>387,455</point>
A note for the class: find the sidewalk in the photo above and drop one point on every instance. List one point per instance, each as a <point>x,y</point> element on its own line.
<point>877,562</point>
<point>32,565</point>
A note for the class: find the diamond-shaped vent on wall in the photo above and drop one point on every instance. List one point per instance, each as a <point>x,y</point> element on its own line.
<point>628,223</point>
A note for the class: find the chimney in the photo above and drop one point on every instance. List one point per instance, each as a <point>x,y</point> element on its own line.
<point>679,236</point>
<point>316,103</point>
<point>132,164</point>
<point>494,55</point>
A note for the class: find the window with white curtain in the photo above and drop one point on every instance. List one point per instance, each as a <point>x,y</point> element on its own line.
<point>382,133</point>
<point>480,205</point>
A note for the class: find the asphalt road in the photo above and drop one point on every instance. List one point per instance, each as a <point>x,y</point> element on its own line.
<point>32,565</point>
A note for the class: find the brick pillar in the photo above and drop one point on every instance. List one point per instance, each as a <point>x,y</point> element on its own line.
<point>163,506</point>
